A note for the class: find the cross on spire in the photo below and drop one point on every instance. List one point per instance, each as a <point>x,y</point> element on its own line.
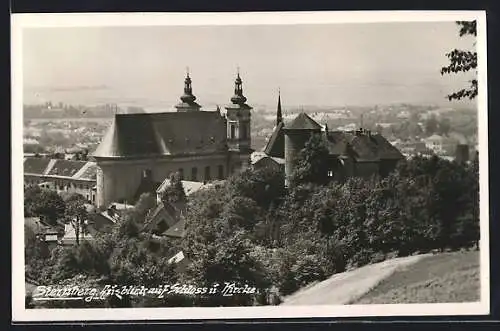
<point>187,71</point>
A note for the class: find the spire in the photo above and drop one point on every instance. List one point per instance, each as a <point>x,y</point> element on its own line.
<point>238,97</point>
<point>188,99</point>
<point>279,115</point>
<point>188,96</point>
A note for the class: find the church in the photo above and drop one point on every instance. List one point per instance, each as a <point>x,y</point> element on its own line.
<point>139,151</point>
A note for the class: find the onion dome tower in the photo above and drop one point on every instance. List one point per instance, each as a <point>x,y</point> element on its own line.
<point>238,119</point>
<point>188,102</point>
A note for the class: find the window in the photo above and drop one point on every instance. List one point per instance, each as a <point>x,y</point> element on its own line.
<point>181,173</point>
<point>232,128</point>
<point>207,173</point>
<point>221,172</point>
<point>330,173</point>
<point>194,174</point>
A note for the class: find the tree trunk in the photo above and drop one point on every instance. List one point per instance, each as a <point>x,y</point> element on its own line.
<point>77,231</point>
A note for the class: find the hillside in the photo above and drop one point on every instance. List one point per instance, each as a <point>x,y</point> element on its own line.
<point>446,277</point>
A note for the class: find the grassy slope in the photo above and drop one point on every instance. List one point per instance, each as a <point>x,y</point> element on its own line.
<point>448,277</point>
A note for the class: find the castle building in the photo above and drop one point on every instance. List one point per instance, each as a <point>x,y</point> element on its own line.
<point>358,153</point>
<point>141,150</point>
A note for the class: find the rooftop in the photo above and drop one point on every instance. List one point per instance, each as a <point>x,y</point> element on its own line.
<point>303,122</point>
<point>169,133</point>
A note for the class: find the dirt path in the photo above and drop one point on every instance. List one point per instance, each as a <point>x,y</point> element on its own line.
<point>346,287</point>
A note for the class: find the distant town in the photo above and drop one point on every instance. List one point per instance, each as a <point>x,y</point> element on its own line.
<point>54,127</point>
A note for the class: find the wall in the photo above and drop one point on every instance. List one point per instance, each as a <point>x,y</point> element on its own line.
<point>294,142</point>
<point>119,179</point>
<point>66,185</point>
<point>366,169</point>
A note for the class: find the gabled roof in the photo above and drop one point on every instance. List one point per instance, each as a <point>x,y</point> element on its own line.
<point>88,172</point>
<point>303,122</point>
<point>177,230</point>
<point>189,186</point>
<point>276,144</point>
<point>162,212</point>
<point>35,165</point>
<point>85,170</point>
<point>171,133</point>
<point>360,146</point>
<point>66,168</point>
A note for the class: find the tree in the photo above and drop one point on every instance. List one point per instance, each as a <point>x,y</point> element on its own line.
<point>46,204</point>
<point>174,192</point>
<point>463,61</point>
<point>36,253</point>
<point>145,204</point>
<point>312,162</point>
<point>76,214</point>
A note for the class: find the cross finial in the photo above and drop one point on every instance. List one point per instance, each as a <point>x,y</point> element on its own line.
<point>238,71</point>
<point>187,71</point>
<point>279,91</point>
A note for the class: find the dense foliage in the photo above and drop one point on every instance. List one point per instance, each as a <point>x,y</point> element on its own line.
<point>251,231</point>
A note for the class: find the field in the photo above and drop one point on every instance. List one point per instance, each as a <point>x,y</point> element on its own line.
<point>447,277</point>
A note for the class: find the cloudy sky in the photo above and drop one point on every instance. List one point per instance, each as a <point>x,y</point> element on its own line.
<point>333,64</point>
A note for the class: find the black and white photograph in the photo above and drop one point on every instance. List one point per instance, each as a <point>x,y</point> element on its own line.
<point>249,165</point>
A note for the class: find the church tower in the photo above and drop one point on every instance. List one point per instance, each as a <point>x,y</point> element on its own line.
<point>188,99</point>
<point>238,120</point>
<point>238,115</point>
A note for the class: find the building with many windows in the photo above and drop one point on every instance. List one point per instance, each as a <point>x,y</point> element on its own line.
<point>62,175</point>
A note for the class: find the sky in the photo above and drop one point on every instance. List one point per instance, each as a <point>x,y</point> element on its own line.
<point>324,64</point>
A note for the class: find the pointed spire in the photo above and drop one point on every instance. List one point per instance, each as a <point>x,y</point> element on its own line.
<point>279,115</point>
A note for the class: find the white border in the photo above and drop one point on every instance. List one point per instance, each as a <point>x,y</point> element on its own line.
<point>20,21</point>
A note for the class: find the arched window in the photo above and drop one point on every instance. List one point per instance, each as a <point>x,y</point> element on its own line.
<point>194,174</point>
<point>232,128</point>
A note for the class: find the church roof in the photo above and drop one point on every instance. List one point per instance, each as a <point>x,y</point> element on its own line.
<point>276,144</point>
<point>170,133</point>
<point>303,122</point>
